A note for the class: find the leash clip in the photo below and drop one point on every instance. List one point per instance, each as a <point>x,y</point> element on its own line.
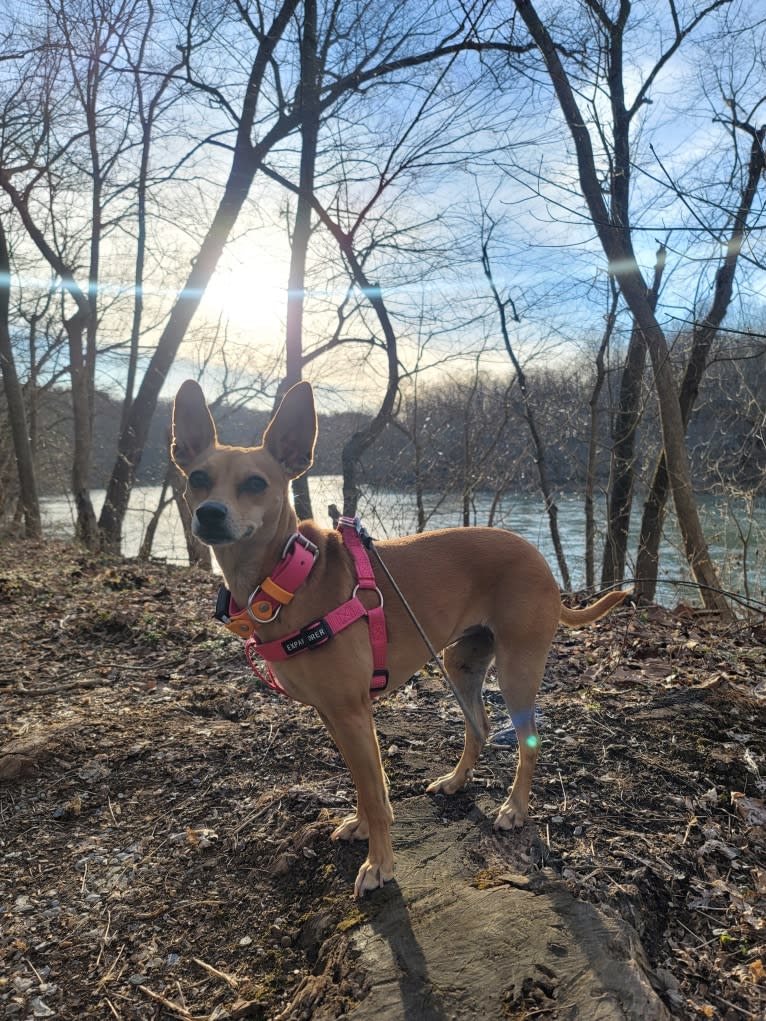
<point>345,521</point>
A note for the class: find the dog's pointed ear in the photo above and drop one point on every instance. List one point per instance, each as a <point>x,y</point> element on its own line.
<point>291,434</point>
<point>193,426</point>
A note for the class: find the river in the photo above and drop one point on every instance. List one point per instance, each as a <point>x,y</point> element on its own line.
<point>392,512</point>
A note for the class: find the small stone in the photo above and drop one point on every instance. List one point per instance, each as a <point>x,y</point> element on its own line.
<point>283,864</point>
<point>246,941</point>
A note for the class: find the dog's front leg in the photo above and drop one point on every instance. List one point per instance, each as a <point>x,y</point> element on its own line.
<point>354,733</point>
<point>354,826</point>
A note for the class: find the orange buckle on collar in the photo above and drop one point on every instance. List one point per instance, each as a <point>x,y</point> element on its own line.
<point>270,587</point>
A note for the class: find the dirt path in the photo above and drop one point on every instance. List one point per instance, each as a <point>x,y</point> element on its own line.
<point>164,845</point>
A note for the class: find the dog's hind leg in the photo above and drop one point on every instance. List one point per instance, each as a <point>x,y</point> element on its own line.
<point>466,662</point>
<point>519,676</point>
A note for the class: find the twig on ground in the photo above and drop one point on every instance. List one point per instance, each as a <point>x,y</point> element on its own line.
<point>228,979</point>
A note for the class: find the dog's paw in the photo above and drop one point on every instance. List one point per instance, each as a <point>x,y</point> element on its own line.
<point>451,783</point>
<point>510,817</point>
<point>352,828</point>
<point>371,877</point>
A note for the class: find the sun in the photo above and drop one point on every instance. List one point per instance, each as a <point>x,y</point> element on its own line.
<point>248,294</point>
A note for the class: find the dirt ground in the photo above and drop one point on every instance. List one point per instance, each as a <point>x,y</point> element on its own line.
<point>164,820</point>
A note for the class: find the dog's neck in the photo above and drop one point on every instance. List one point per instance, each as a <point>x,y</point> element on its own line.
<point>245,565</point>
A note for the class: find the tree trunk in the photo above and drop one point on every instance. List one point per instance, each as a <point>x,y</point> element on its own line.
<point>14,396</point>
<point>147,540</point>
<point>623,450</point>
<point>360,441</point>
<point>296,288</point>
<point>674,444</point>
<point>79,365</point>
<point>133,436</point>
<point>86,529</point>
<point>590,475</point>
<point>529,414</point>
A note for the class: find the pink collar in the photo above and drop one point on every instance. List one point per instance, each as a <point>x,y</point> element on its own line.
<point>320,631</point>
<point>273,593</point>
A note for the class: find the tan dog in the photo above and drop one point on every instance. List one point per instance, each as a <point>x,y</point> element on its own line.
<point>482,594</point>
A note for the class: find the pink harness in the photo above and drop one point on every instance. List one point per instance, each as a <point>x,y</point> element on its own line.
<point>292,570</point>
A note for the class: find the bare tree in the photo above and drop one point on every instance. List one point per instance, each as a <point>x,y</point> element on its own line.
<point>308,100</point>
<point>612,224</point>
<point>369,51</point>
<point>68,147</point>
<point>704,334</point>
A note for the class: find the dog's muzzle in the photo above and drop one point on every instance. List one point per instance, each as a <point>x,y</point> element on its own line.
<point>211,523</point>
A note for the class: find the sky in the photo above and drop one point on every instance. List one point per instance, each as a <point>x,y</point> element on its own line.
<point>512,155</point>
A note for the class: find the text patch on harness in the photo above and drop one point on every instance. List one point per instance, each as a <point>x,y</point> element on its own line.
<point>308,638</point>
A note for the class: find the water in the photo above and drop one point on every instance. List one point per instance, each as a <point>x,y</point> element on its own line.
<point>388,513</point>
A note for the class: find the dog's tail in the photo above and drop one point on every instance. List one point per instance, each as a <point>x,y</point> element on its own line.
<point>602,606</point>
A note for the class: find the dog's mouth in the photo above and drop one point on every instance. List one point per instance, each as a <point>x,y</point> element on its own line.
<point>218,535</point>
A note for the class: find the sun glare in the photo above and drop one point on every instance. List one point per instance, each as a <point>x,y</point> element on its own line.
<point>248,295</point>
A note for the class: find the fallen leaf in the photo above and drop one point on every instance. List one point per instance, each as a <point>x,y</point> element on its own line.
<point>751,810</point>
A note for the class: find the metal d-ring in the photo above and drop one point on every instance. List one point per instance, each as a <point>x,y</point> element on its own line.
<point>373,589</point>
<point>259,620</point>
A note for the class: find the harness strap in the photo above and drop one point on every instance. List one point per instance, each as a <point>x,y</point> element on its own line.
<point>276,591</point>
<point>354,538</point>
<point>309,637</point>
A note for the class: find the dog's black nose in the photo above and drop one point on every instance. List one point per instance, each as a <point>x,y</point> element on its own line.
<point>212,514</point>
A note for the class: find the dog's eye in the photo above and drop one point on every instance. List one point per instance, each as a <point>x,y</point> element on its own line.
<point>199,480</point>
<point>253,484</point>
